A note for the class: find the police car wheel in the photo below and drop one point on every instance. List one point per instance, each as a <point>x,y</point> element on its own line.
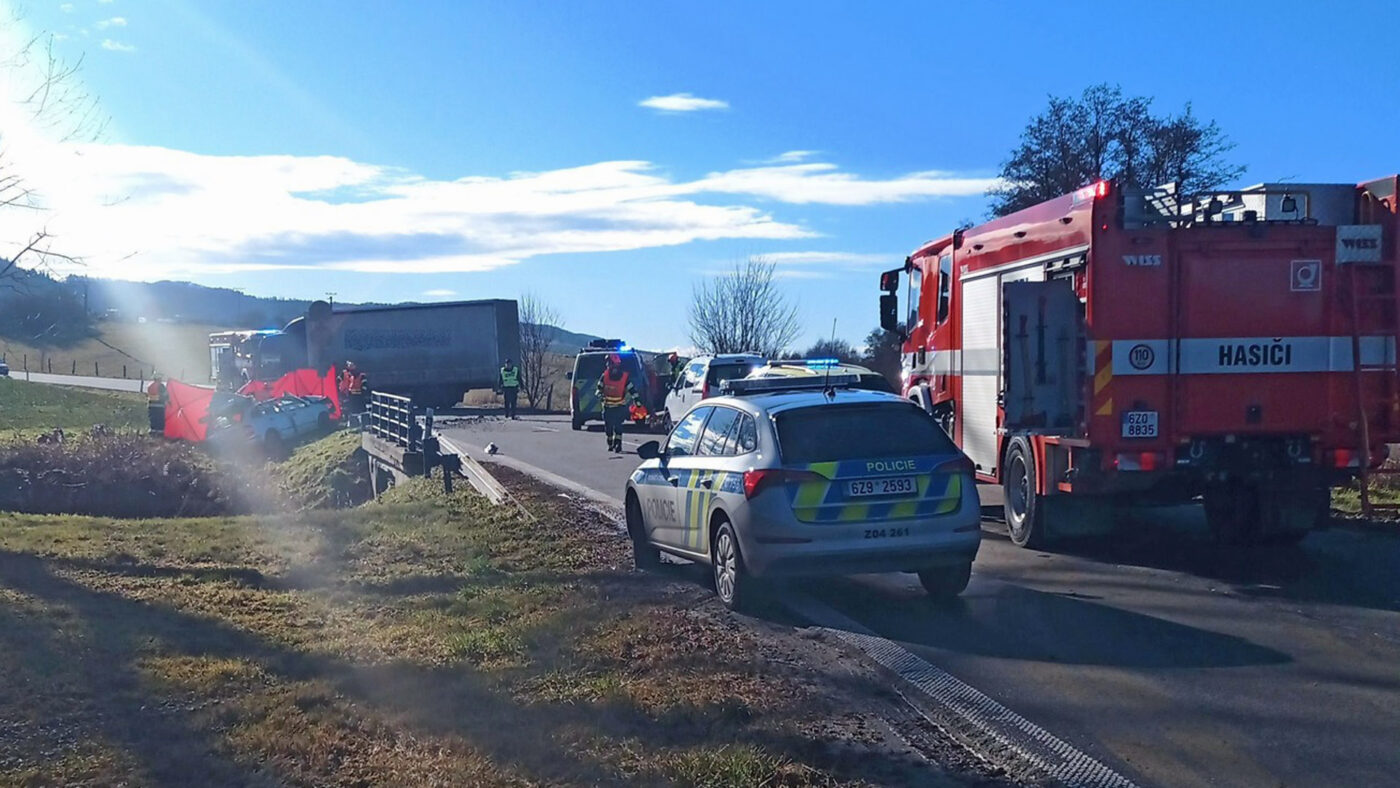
<point>945,582</point>
<point>577,424</point>
<point>727,564</point>
<point>644,556</point>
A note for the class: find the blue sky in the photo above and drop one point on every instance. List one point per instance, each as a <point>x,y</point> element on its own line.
<point>425,150</point>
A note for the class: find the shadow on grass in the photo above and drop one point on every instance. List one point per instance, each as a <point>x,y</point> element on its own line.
<point>98,686</point>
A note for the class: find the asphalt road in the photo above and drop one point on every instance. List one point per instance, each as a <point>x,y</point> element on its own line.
<point>1165,657</point>
<point>83,381</point>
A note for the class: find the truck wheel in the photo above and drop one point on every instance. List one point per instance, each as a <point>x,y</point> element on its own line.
<point>945,582</point>
<point>1025,511</point>
<point>666,424</point>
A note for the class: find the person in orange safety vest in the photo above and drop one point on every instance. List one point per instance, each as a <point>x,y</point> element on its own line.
<point>617,393</point>
<point>352,388</point>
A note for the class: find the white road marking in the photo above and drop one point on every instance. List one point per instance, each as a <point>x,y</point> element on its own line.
<point>987,718</point>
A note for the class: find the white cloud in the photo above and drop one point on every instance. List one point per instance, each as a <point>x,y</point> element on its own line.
<point>682,102</point>
<point>116,46</point>
<point>845,258</point>
<point>791,157</point>
<point>439,293</point>
<point>143,212</point>
<point>116,21</point>
<point>66,8</point>
<point>821,182</point>
<point>104,2</point>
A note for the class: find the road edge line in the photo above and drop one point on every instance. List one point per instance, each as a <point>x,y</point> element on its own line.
<point>1030,743</point>
<point>541,474</point>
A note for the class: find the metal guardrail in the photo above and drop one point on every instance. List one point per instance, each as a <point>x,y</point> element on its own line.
<point>393,418</point>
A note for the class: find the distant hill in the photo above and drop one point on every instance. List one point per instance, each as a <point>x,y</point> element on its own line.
<point>115,300</point>
<point>568,343</point>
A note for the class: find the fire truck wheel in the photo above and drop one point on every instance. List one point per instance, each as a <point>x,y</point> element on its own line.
<point>1025,511</point>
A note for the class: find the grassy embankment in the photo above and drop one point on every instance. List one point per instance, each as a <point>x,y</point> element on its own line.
<point>422,639</point>
<point>28,408</point>
<point>179,350</point>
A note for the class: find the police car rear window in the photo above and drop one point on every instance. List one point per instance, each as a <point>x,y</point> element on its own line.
<point>827,433</point>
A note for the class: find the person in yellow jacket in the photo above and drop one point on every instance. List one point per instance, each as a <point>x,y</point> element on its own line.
<point>509,384</point>
<point>618,395</point>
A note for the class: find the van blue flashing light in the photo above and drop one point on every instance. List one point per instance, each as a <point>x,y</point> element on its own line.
<point>823,363</point>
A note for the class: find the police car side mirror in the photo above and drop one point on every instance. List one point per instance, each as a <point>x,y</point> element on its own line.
<point>649,450</point>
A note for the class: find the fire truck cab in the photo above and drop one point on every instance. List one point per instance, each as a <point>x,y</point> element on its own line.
<point>1132,344</point>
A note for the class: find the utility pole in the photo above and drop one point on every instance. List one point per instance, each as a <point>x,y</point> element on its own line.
<point>331,298</point>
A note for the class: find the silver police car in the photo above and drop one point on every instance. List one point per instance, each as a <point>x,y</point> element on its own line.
<point>806,477</point>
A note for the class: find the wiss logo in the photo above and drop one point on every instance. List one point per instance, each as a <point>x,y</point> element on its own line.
<point>1143,260</point>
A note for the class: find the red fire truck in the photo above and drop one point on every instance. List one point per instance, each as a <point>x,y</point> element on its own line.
<point>1136,344</point>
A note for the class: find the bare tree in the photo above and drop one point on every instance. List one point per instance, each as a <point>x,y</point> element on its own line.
<point>49,92</point>
<point>539,322</point>
<point>1104,134</point>
<point>743,311</point>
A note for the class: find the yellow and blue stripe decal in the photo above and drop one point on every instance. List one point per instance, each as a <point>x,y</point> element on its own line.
<point>696,502</point>
<point>588,401</point>
<point>828,501</point>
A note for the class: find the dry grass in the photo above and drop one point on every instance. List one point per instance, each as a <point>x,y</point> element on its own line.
<point>179,350</point>
<point>424,639</point>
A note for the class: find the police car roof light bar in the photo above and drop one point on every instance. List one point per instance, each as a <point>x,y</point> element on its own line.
<point>773,385</point>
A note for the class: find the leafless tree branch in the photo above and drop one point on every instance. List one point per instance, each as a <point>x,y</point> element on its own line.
<point>743,311</point>
<point>538,323</point>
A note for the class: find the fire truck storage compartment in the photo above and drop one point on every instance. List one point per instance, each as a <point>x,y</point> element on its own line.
<point>981,358</point>
<point>1042,357</point>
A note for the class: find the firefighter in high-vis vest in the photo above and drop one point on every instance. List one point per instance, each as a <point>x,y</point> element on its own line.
<point>618,395</point>
<point>156,396</point>
<point>509,384</point>
<point>352,388</point>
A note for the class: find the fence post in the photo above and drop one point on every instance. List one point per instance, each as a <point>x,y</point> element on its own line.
<point>95,373</point>
<point>26,362</point>
<point>123,370</point>
<point>50,362</point>
<point>75,366</point>
<point>549,399</point>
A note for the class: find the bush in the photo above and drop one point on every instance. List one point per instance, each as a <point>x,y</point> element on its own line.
<point>122,475</point>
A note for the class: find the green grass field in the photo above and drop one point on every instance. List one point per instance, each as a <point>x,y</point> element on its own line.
<point>26,408</point>
<point>179,350</point>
